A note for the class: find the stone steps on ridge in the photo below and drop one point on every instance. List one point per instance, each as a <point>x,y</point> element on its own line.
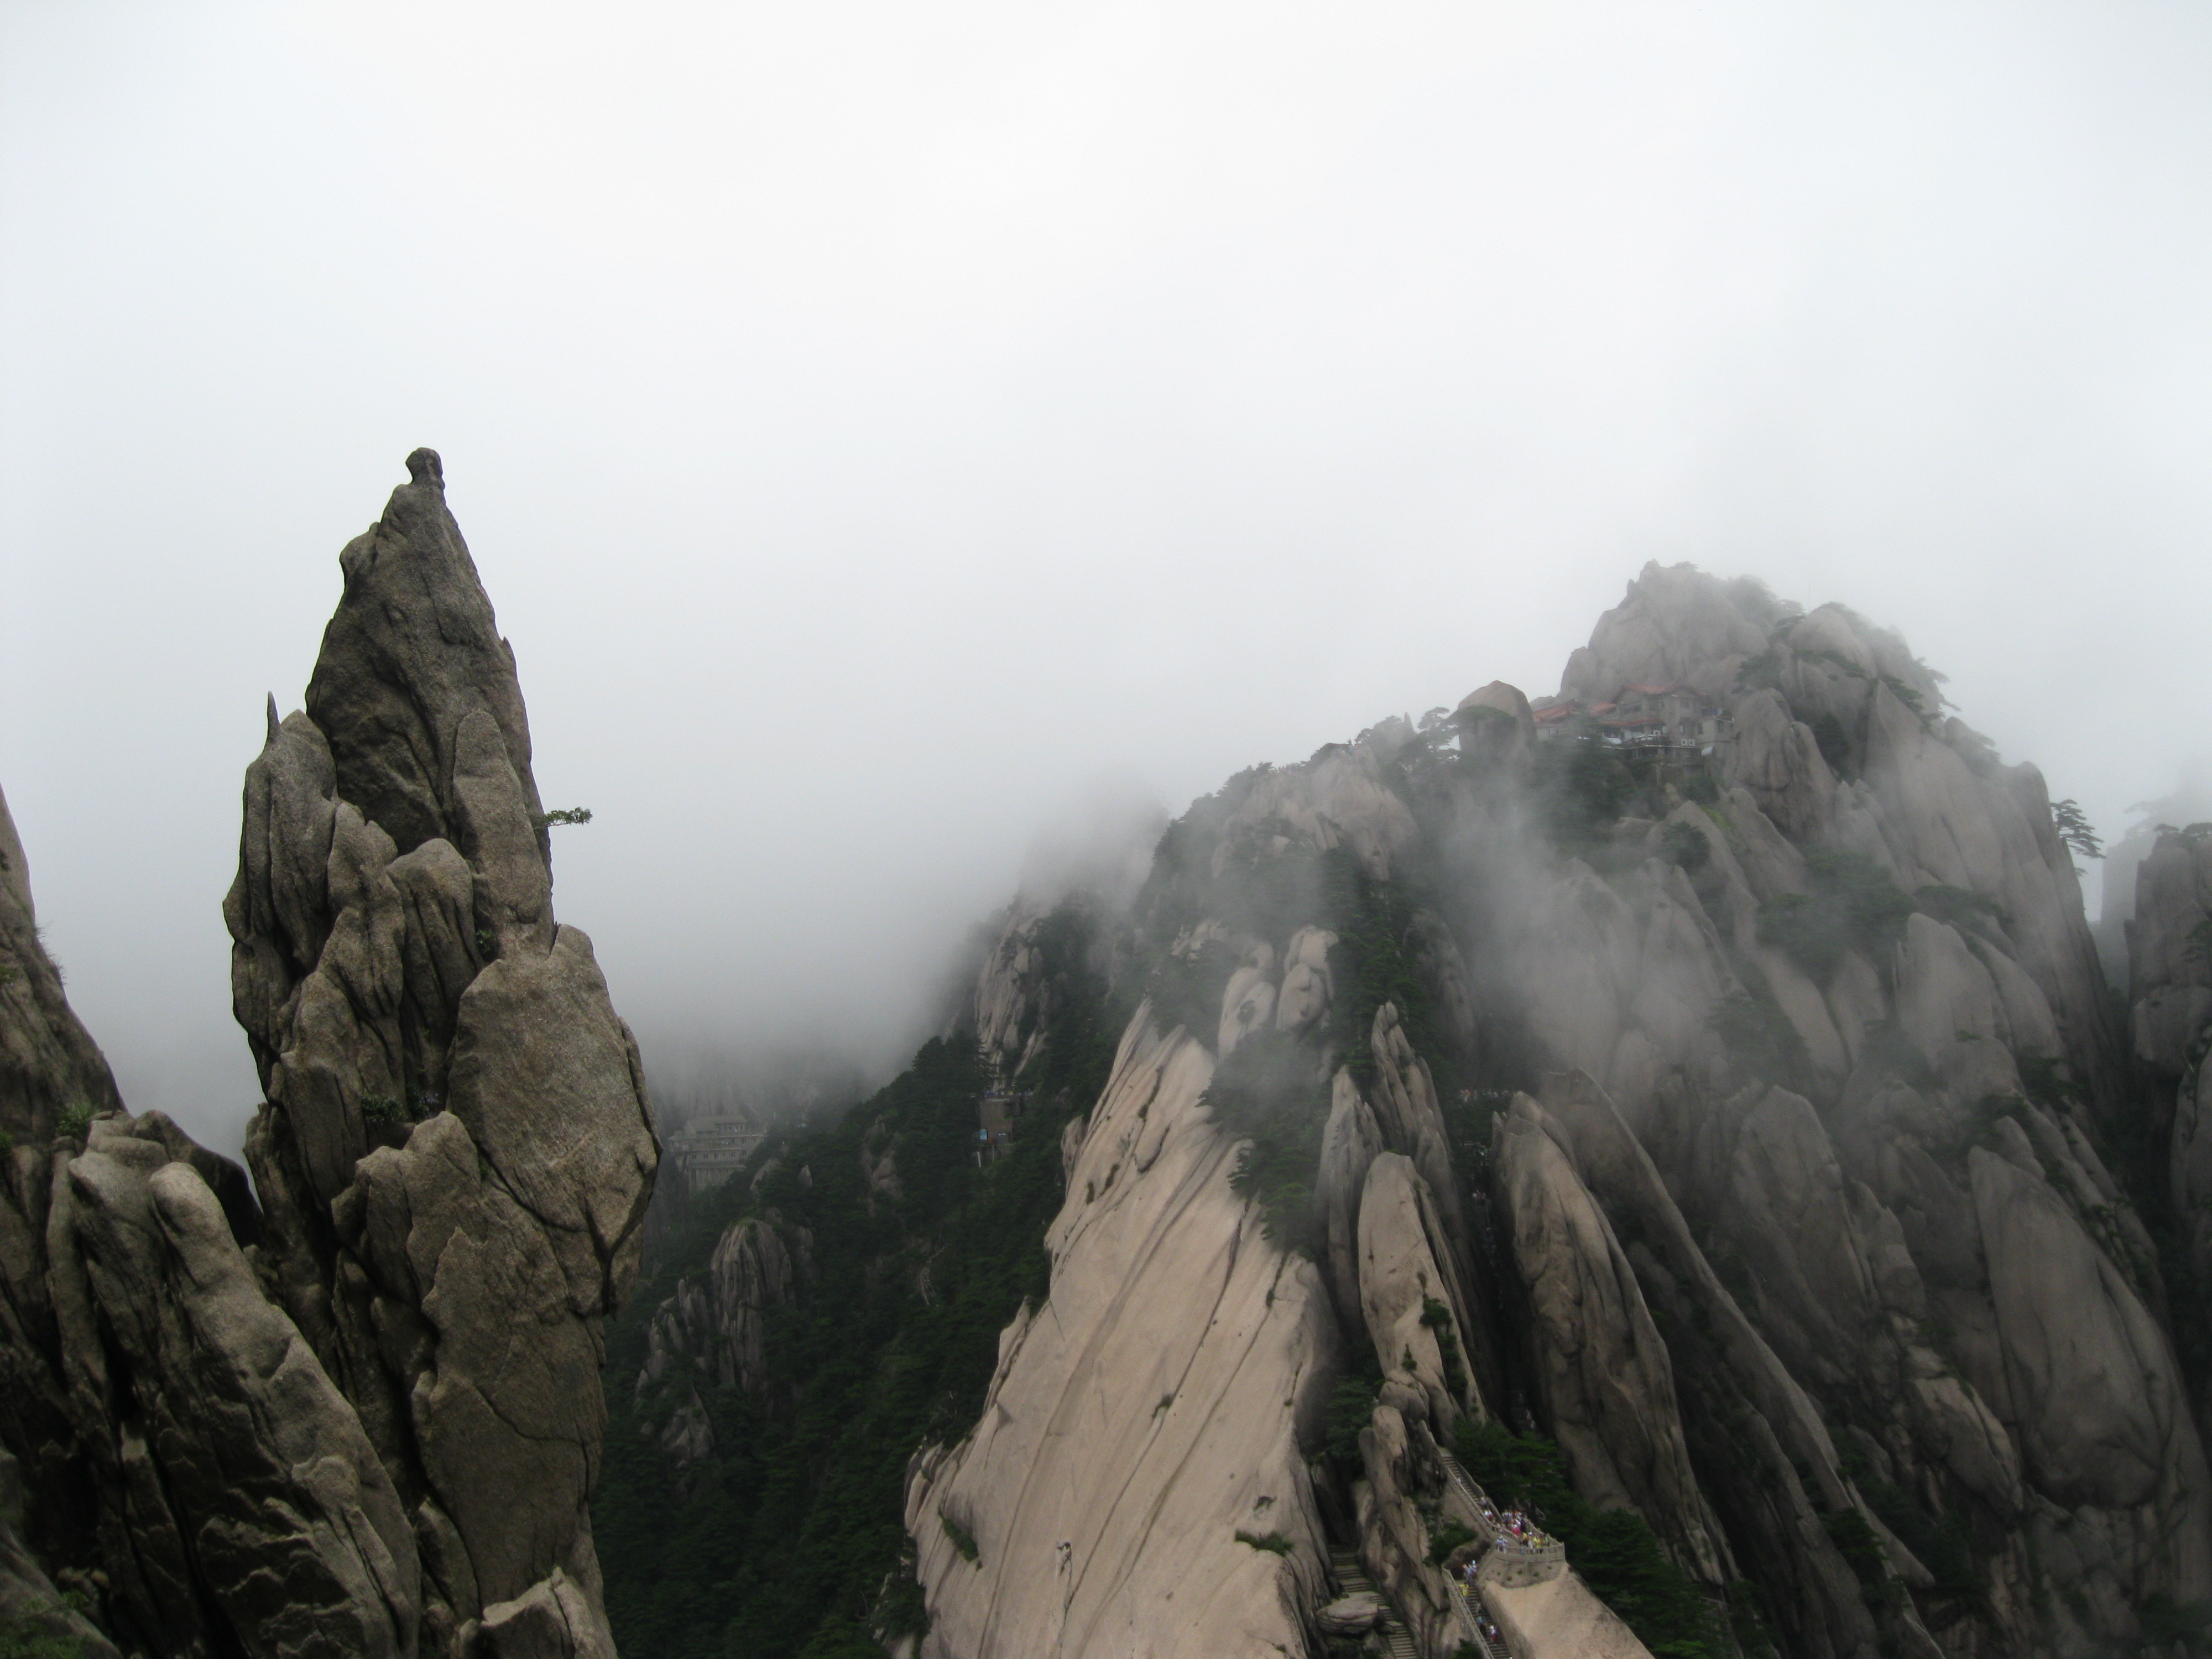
<point>1352,1578</point>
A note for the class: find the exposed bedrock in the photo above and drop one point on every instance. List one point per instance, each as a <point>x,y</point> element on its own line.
<point>1407,1289</point>
<point>1147,1414</point>
<point>456,1152</point>
<point>188,1465</point>
<point>1921,795</point>
<point>1141,1478</point>
<point>2170,1028</point>
<point>48,1060</point>
<point>1814,1254</point>
<point>1601,1370</point>
<point>361,1416</point>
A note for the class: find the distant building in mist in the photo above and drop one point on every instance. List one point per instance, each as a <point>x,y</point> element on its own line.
<point>710,1150</point>
<point>1659,717</point>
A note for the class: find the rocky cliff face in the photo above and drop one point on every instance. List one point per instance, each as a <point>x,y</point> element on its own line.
<point>2170,1028</point>
<point>1709,1067</point>
<point>1687,1105</point>
<point>362,1416</point>
<point>47,1060</point>
<point>1121,1412</point>
<point>457,1120</point>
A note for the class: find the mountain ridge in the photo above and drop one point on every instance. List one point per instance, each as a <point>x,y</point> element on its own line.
<point>1737,977</point>
<point>1666,1149</point>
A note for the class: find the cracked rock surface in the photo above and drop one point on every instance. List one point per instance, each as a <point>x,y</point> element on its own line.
<point>457,1151</point>
<point>353,1409</point>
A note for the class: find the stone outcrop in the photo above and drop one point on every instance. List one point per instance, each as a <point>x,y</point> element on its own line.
<point>1339,799</point>
<point>47,1060</point>
<point>1402,1491</point>
<point>188,1467</point>
<point>1349,1142</point>
<point>359,1414</point>
<point>1145,1416</point>
<point>1602,1370</point>
<point>1810,1256</point>
<point>1142,1478</point>
<point>2170,1020</point>
<point>710,1331</point>
<point>1007,1007</point>
<point>279,1510</point>
<point>1405,1295</point>
<point>1895,1221</point>
<point>1769,1471</point>
<point>456,1152</point>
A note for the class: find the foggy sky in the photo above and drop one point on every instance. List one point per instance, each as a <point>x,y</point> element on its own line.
<point>891,433</point>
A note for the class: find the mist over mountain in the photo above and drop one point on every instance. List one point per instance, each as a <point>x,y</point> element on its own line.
<point>877,428</point>
<point>1304,833</point>
<point>1658,1168</point>
<point>1655,1168</point>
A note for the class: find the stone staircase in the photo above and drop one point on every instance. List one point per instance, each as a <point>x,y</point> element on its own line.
<point>1352,1577</point>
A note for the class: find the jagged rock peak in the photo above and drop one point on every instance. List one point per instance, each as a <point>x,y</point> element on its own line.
<point>457,1141</point>
<point>411,670</point>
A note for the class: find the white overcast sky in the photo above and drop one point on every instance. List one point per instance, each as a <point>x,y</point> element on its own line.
<point>886,431</point>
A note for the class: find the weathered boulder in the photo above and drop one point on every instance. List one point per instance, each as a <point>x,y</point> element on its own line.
<point>1811,1243</point>
<point>1756,1438</point>
<point>1249,1003</point>
<point>191,1465</point>
<point>1351,1615</point>
<point>292,1524</point>
<point>1509,699</point>
<point>1952,816</point>
<point>1303,996</point>
<point>1396,1499</point>
<point>1948,1007</point>
<point>1779,761</point>
<point>556,1619</point>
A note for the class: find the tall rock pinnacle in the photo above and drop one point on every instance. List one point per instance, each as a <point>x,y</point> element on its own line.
<point>456,1150</point>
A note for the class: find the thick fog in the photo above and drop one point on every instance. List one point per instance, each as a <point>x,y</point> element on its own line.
<point>900,440</point>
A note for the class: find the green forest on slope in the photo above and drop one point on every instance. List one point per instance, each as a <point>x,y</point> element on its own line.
<point>787,1541</point>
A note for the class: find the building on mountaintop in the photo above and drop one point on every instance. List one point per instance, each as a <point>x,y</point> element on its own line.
<point>1644,717</point>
